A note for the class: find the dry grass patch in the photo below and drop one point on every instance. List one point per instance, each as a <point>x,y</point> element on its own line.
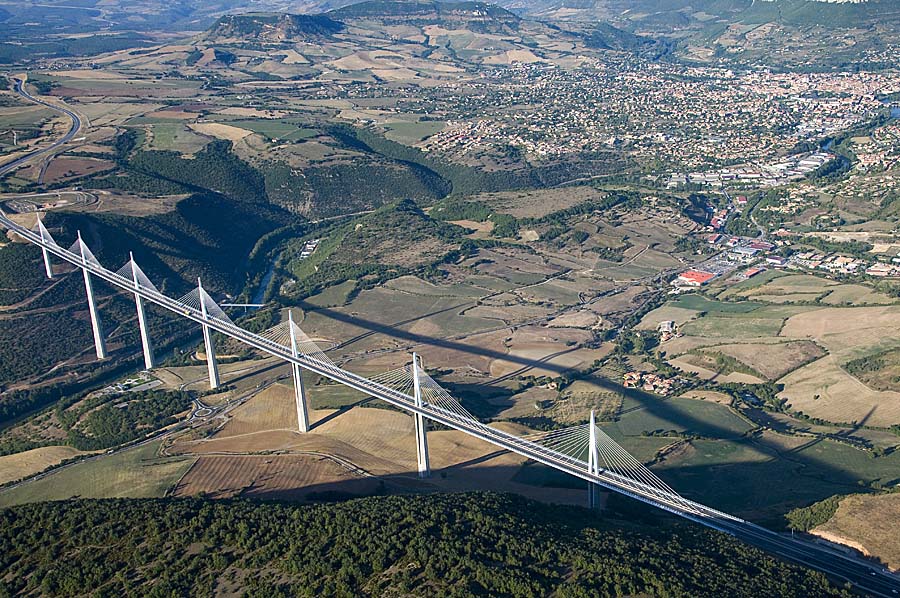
<point>864,522</point>
<point>270,476</point>
<point>221,131</point>
<point>776,359</point>
<point>824,389</point>
<point>26,463</point>
<point>708,395</point>
<point>272,409</point>
<point>856,294</point>
<point>679,315</point>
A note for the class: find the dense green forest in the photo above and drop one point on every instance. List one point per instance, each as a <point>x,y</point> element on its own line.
<point>477,544</point>
<point>209,234</point>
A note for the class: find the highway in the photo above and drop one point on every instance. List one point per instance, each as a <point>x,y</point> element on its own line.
<point>19,87</point>
<point>864,576</point>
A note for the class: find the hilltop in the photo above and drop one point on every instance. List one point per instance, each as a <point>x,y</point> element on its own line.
<point>270,27</point>
<point>475,16</point>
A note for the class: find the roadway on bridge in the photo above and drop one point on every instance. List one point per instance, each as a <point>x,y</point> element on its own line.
<point>19,88</point>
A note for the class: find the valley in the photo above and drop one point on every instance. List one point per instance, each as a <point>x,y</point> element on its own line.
<point>664,223</point>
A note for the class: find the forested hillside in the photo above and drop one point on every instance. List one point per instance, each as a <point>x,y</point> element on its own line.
<point>437,545</point>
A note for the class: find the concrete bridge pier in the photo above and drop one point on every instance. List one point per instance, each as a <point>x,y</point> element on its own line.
<point>299,389</point>
<point>99,343</point>
<point>149,360</point>
<point>45,238</point>
<point>593,466</point>
<point>422,460</point>
<point>211,363</point>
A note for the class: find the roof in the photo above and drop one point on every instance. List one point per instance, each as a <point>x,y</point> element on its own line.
<point>696,276</point>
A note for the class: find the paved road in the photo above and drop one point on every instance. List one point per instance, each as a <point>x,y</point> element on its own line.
<point>20,89</point>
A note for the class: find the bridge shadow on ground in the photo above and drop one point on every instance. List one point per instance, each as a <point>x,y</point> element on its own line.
<point>534,481</point>
<point>788,479</point>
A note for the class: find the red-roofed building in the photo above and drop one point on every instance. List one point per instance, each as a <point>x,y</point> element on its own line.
<point>761,245</point>
<point>694,278</point>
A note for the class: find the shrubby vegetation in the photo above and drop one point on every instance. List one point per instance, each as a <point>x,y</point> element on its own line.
<point>123,417</point>
<point>21,266</point>
<point>70,46</point>
<point>505,225</point>
<point>477,544</point>
<point>816,514</point>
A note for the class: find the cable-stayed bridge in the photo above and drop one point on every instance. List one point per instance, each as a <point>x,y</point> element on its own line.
<point>584,451</point>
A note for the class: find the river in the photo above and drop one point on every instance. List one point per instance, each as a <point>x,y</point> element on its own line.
<point>260,295</point>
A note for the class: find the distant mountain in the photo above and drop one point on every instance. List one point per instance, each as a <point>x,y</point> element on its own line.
<point>273,27</point>
<point>475,16</point>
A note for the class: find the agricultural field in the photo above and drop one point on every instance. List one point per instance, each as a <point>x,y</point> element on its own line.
<point>137,473</point>
<point>804,288</point>
<point>273,477</point>
<point>174,136</point>
<point>835,362</point>
<point>26,463</point>
<point>825,388</point>
<point>766,475</point>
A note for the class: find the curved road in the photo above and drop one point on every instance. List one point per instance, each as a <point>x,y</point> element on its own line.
<point>19,87</point>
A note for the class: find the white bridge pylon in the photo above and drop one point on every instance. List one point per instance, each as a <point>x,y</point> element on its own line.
<point>131,271</point>
<point>584,450</point>
<point>87,258</point>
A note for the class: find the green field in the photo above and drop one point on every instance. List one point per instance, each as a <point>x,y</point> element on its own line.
<point>733,327</point>
<point>701,303</point>
<point>333,296</point>
<point>133,473</point>
<point>175,136</point>
<point>26,117</point>
<point>765,477</point>
<point>685,416</point>
<point>278,130</point>
<point>409,133</point>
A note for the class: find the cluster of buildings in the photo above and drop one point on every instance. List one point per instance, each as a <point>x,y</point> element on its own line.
<point>698,119</point>
<point>783,171</point>
<point>463,136</point>
<point>758,255</point>
<point>308,248</point>
<point>881,150</point>
<point>828,262</point>
<point>668,330</point>
<point>737,252</point>
<point>649,382</point>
